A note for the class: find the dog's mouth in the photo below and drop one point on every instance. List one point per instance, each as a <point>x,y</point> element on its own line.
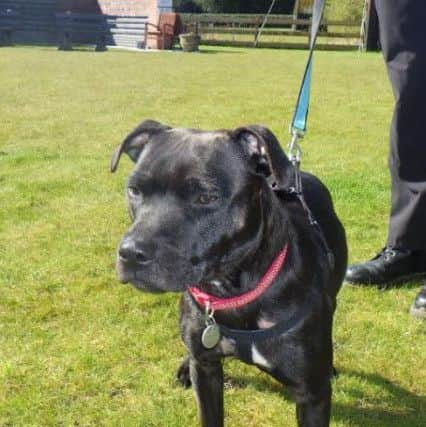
<point>145,287</point>
<point>140,280</point>
<point>153,279</point>
<point>160,276</point>
<point>131,277</point>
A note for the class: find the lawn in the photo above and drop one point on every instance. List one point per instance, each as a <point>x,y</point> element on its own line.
<point>79,349</point>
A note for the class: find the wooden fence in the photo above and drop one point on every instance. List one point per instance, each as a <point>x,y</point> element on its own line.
<point>34,21</point>
<point>281,31</point>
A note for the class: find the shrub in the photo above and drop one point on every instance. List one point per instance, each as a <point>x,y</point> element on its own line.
<point>232,6</point>
<point>187,6</point>
<point>348,10</point>
<point>345,10</point>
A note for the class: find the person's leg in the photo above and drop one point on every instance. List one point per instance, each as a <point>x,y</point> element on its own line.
<point>402,36</point>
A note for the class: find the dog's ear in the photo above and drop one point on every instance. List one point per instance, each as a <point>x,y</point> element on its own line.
<point>135,141</point>
<point>265,150</point>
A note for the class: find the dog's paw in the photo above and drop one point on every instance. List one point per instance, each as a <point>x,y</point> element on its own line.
<point>183,374</point>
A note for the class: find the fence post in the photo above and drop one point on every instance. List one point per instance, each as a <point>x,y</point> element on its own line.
<point>371,27</point>
<point>295,14</point>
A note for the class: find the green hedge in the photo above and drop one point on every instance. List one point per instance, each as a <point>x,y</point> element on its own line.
<point>345,10</point>
<point>232,6</point>
<point>336,9</point>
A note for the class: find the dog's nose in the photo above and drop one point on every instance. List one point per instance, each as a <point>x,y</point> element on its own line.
<point>133,252</point>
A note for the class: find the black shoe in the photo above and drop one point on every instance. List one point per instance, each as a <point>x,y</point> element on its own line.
<point>418,309</point>
<point>389,267</point>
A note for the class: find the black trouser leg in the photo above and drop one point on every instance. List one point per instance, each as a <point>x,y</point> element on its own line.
<point>403,39</point>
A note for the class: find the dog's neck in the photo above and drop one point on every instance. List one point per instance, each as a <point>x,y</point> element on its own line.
<point>272,237</point>
<point>213,303</point>
<point>275,235</point>
<point>281,223</point>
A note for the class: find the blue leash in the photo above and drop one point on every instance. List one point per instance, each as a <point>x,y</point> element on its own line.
<point>298,124</point>
<point>245,339</point>
<point>300,118</point>
<point>298,129</point>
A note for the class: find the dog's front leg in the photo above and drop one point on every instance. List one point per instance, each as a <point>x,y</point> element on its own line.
<point>207,380</point>
<point>315,412</point>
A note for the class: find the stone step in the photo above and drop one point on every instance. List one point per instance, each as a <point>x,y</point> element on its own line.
<point>127,26</point>
<point>125,41</point>
<point>127,19</point>
<point>125,31</point>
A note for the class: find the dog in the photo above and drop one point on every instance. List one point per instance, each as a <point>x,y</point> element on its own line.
<point>215,216</point>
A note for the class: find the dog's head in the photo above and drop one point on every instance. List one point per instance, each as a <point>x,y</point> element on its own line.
<point>198,203</point>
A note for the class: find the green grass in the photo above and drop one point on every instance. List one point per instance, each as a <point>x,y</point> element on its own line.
<point>77,348</point>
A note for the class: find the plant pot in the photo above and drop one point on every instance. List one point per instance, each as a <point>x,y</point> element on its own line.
<point>190,42</point>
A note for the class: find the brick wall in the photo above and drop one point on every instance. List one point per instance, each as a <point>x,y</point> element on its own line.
<point>127,7</point>
<point>132,8</point>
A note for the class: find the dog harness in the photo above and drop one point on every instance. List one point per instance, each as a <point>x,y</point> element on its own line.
<point>244,339</point>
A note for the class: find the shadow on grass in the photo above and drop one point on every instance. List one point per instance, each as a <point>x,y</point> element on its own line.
<point>392,406</point>
<point>413,284</point>
<point>91,48</point>
<point>216,51</point>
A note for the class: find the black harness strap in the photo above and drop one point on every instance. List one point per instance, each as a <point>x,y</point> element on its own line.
<point>245,338</point>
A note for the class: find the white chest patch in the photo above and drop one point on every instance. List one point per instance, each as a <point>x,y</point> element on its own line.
<point>257,358</point>
<point>265,324</point>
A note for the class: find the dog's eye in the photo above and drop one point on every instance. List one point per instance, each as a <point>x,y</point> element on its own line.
<point>134,192</point>
<point>205,199</point>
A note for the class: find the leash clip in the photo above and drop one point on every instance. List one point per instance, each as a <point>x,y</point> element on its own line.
<point>294,149</point>
<point>209,315</point>
<point>295,156</point>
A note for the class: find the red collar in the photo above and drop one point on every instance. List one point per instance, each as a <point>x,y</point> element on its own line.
<point>215,303</point>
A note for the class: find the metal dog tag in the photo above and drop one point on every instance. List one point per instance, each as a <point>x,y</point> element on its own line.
<point>211,336</point>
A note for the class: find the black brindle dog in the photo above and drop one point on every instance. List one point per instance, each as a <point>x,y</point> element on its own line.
<point>259,279</point>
